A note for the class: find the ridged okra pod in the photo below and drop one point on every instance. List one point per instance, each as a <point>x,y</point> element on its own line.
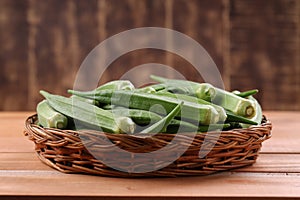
<point>237,105</point>
<point>204,114</point>
<point>49,118</point>
<point>89,114</point>
<point>225,115</point>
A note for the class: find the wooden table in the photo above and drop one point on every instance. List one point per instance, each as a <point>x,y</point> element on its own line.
<point>276,174</point>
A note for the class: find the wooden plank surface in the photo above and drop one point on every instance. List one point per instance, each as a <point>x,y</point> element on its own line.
<point>21,161</point>
<point>266,163</point>
<point>285,138</point>
<point>222,184</point>
<point>275,174</point>
<point>12,123</point>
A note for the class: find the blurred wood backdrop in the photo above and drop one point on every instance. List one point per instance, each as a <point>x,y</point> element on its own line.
<point>255,43</point>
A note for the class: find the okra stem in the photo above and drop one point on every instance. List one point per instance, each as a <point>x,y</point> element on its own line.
<point>246,93</point>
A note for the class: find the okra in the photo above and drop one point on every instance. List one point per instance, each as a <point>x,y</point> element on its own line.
<point>141,117</point>
<point>49,118</point>
<point>237,105</point>
<point>151,88</point>
<point>201,90</point>
<point>105,107</point>
<point>204,114</point>
<point>90,101</point>
<point>231,117</point>
<point>182,126</point>
<point>234,103</point>
<point>116,85</point>
<point>144,117</point>
<point>147,90</point>
<point>89,114</point>
<point>219,109</point>
<point>246,93</point>
<point>162,124</point>
<point>225,115</point>
<point>258,115</point>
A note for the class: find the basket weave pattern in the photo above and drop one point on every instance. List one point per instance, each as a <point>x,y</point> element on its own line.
<point>65,151</point>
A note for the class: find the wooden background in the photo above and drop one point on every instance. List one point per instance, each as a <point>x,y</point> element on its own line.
<point>255,43</point>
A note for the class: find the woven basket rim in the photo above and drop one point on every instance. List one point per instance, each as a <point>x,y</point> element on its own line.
<point>64,150</point>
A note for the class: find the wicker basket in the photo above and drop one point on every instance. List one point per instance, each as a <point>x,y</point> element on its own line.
<point>65,151</point>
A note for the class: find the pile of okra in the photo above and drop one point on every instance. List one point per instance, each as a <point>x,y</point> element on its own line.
<point>166,106</point>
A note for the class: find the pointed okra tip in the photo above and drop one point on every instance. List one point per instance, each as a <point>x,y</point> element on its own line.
<point>158,78</point>
<point>44,93</point>
<point>70,91</point>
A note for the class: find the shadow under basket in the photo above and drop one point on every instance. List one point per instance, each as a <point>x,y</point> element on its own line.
<point>160,155</point>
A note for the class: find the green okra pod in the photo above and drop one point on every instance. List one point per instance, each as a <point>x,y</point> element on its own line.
<point>116,85</point>
<point>204,114</point>
<point>89,114</point>
<point>50,118</point>
<point>162,124</point>
<point>237,105</point>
